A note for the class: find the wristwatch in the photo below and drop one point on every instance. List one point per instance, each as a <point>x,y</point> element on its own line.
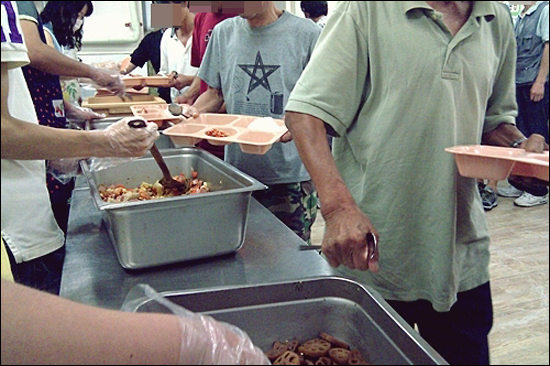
<point>518,142</point>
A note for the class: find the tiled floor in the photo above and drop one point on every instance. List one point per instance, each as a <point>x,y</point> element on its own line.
<point>519,280</point>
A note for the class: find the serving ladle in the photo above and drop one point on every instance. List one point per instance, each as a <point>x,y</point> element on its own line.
<point>167,181</point>
<point>175,109</point>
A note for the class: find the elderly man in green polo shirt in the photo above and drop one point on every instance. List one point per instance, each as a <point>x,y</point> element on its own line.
<point>401,81</point>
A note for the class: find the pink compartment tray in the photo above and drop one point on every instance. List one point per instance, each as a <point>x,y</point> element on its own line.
<point>233,127</point>
<point>497,163</point>
<point>157,113</point>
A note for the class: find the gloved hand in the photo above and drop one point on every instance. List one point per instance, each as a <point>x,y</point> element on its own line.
<point>81,113</point>
<point>64,169</point>
<point>111,81</point>
<point>130,142</point>
<point>205,341</point>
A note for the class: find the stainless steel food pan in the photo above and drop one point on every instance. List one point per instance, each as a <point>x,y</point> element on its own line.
<point>284,310</point>
<point>157,232</point>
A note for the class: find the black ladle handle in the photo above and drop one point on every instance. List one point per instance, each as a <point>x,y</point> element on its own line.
<point>139,123</point>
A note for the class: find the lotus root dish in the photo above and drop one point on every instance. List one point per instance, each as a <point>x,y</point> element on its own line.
<point>324,350</point>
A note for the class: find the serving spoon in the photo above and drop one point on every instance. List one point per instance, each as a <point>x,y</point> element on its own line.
<point>167,181</point>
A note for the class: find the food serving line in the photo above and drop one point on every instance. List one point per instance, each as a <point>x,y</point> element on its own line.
<point>267,286</point>
<point>93,275</point>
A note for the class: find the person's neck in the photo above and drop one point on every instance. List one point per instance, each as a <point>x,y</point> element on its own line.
<point>317,19</point>
<point>457,7</point>
<point>186,27</point>
<point>270,16</point>
<point>525,9</point>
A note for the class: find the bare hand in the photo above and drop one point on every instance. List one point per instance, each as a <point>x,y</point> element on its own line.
<point>537,92</point>
<point>535,143</point>
<point>191,112</point>
<point>287,137</point>
<point>345,240</point>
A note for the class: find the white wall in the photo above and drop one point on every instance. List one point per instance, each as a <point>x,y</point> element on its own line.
<point>112,32</point>
<point>294,7</point>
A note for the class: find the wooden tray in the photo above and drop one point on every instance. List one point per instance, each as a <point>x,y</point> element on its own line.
<point>156,80</point>
<point>114,105</point>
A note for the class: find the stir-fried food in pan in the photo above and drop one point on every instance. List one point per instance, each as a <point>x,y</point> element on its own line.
<point>147,191</point>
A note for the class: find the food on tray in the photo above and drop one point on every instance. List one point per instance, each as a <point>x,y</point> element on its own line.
<point>216,133</point>
<point>114,193</point>
<point>325,350</point>
<point>264,124</point>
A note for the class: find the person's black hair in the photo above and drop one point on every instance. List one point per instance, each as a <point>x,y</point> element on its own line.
<point>62,15</point>
<point>314,8</point>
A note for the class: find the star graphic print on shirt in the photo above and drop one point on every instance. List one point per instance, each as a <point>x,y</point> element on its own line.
<point>266,70</point>
<point>259,74</point>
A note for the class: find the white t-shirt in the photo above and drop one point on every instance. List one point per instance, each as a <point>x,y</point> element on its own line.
<point>28,224</point>
<point>174,56</point>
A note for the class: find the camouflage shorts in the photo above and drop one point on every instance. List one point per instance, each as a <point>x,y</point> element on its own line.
<point>295,204</point>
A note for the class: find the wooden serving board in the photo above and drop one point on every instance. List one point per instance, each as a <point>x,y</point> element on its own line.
<point>119,106</point>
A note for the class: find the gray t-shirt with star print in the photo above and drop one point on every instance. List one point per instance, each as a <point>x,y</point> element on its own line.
<point>256,69</point>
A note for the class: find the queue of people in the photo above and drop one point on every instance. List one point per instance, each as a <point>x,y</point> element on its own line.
<point>265,61</point>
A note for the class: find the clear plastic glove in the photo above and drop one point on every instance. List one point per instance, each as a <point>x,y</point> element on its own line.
<point>125,143</point>
<point>111,80</point>
<point>131,142</point>
<point>108,65</point>
<point>64,169</point>
<point>81,113</point>
<point>205,341</point>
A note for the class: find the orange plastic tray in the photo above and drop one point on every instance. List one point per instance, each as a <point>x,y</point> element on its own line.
<point>237,128</point>
<point>157,113</point>
<point>497,163</point>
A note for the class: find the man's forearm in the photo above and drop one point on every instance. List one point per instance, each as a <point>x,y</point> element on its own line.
<point>310,137</point>
<point>193,91</point>
<point>48,59</point>
<point>544,65</point>
<point>210,101</point>
<point>504,135</point>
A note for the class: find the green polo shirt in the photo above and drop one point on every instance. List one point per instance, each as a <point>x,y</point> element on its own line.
<point>398,88</point>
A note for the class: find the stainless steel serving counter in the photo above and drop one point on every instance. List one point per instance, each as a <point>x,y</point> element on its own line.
<point>93,275</point>
<point>269,256</point>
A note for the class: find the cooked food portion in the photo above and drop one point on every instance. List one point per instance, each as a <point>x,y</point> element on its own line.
<point>216,133</point>
<point>146,191</point>
<point>325,350</point>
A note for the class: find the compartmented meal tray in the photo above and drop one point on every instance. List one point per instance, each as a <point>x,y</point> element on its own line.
<point>157,113</point>
<point>115,105</point>
<point>497,163</point>
<point>224,129</point>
